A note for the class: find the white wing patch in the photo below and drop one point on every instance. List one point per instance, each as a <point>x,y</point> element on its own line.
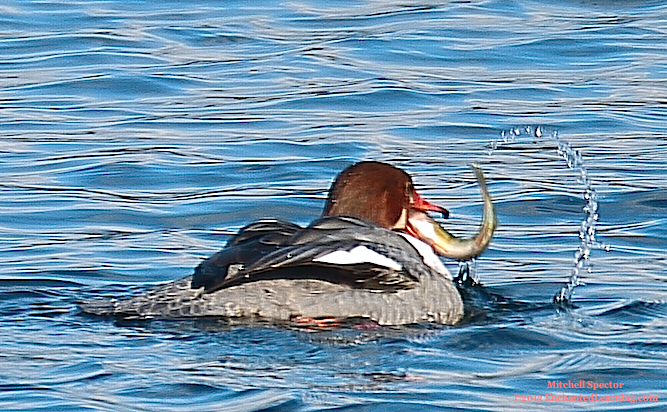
<point>360,254</point>
<point>428,255</point>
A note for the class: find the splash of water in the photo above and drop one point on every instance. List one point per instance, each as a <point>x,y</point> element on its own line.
<point>575,162</point>
<point>467,272</point>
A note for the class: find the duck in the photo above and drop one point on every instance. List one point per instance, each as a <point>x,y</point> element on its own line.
<point>374,254</point>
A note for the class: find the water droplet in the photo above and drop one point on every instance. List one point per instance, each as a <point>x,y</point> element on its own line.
<point>575,162</point>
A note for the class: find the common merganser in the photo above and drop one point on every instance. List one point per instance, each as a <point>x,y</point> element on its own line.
<point>371,255</point>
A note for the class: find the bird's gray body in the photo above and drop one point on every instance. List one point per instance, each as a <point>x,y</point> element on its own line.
<point>279,271</point>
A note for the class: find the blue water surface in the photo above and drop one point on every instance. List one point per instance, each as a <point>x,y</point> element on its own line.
<point>137,136</point>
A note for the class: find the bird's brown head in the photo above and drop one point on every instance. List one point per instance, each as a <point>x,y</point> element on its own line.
<point>376,192</point>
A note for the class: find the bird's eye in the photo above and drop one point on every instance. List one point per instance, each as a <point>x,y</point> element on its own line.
<point>409,190</point>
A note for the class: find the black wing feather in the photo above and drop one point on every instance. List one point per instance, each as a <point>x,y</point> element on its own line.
<point>279,250</point>
<point>251,243</point>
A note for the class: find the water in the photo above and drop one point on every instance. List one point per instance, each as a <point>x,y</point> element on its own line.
<point>574,162</point>
<point>138,136</point>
